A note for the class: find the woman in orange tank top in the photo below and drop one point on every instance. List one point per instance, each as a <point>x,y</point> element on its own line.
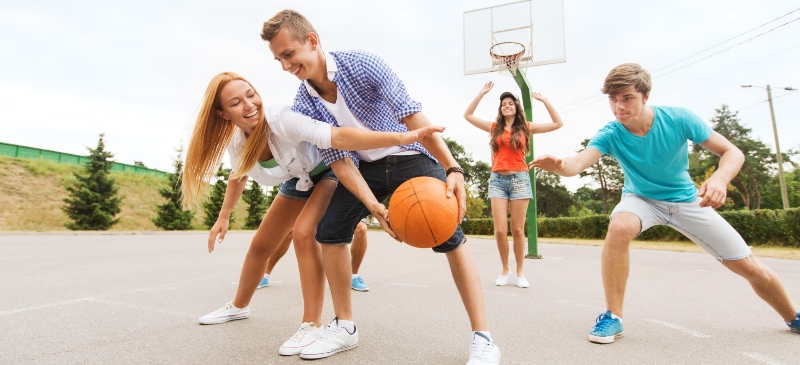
<point>510,184</point>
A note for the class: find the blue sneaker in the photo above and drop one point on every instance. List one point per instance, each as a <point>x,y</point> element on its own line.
<point>607,329</point>
<point>358,284</point>
<point>263,284</point>
<point>794,325</point>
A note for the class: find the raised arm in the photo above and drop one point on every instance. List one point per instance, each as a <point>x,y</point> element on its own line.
<point>232,194</point>
<point>468,114</point>
<point>348,174</point>
<point>569,166</point>
<point>546,127</point>
<point>352,139</point>
<point>715,189</point>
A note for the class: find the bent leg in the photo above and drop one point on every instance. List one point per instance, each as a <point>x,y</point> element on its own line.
<point>468,282</point>
<point>279,253</point>
<point>622,229</point>
<point>359,246</point>
<point>309,253</point>
<point>765,283</point>
<point>270,234</point>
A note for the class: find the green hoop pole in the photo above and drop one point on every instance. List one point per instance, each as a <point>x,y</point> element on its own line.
<point>531,221</point>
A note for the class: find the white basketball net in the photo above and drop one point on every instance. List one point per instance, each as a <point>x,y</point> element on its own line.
<point>507,55</point>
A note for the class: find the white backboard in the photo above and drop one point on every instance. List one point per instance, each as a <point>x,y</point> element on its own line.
<point>536,24</point>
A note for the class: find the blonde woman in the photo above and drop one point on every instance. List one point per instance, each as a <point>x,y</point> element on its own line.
<point>274,145</point>
<point>509,183</point>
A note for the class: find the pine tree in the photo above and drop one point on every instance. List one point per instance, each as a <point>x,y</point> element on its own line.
<point>271,194</point>
<point>213,205</point>
<point>93,202</point>
<point>257,205</point>
<point>171,215</point>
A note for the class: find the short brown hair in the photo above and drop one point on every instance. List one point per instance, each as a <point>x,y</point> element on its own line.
<point>298,26</point>
<point>625,76</point>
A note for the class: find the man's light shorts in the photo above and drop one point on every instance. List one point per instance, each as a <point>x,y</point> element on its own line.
<point>704,226</point>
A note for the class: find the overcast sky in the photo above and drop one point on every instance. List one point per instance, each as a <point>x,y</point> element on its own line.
<point>136,71</point>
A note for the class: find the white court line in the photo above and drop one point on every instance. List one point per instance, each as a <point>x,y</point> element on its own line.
<point>762,358</point>
<point>679,328</point>
<point>15,311</point>
<point>417,285</point>
<point>158,287</point>
<point>580,305</point>
<point>152,309</point>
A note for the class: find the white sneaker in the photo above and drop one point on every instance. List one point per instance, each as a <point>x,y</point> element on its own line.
<point>306,335</point>
<point>482,351</point>
<point>227,313</point>
<point>502,280</point>
<point>522,282</point>
<point>334,339</point>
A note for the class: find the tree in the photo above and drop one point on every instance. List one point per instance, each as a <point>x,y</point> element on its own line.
<point>759,166</point>
<point>171,215</point>
<point>476,174</point>
<point>257,205</point>
<point>552,198</point>
<point>591,199</point>
<point>213,205</point>
<point>608,174</point>
<point>271,194</point>
<point>140,163</point>
<point>93,202</point>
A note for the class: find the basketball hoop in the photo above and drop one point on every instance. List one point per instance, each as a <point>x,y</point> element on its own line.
<point>507,55</point>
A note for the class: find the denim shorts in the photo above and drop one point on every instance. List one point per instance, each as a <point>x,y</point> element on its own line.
<point>515,186</point>
<point>383,177</point>
<point>704,226</point>
<point>288,190</point>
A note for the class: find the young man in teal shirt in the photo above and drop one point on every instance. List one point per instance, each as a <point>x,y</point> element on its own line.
<point>651,145</point>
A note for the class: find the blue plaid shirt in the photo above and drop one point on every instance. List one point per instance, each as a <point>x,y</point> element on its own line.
<point>372,91</point>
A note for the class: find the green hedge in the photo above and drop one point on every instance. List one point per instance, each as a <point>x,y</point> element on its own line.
<point>757,227</point>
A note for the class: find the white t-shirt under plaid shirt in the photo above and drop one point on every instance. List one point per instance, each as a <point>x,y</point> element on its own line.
<point>371,90</point>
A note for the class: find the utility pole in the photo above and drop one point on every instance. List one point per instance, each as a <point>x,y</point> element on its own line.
<point>781,178</point>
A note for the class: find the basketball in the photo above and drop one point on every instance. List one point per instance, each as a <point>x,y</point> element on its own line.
<point>421,214</point>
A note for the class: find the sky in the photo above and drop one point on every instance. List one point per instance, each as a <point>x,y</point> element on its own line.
<point>137,71</point>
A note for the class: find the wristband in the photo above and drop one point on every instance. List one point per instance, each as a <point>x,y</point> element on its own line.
<point>454,169</point>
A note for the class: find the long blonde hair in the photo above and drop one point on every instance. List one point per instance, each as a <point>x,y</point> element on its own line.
<point>211,137</point>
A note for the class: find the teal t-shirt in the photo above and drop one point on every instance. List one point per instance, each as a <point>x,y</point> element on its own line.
<point>656,165</point>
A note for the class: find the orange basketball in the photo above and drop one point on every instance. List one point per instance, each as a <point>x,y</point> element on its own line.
<point>421,214</point>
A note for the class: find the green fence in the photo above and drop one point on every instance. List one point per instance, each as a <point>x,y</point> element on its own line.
<point>14,150</point>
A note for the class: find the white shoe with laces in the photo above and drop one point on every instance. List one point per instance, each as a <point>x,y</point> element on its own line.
<point>483,351</point>
<point>305,336</point>
<point>227,313</point>
<point>335,339</point>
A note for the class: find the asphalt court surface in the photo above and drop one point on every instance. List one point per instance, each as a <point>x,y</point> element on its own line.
<point>135,299</point>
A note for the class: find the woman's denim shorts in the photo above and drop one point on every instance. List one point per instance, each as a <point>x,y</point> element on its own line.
<point>515,186</point>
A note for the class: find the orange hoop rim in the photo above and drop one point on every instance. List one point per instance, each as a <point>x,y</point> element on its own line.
<point>509,57</point>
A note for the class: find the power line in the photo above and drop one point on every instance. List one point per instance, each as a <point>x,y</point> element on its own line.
<point>725,41</point>
<point>723,50</point>
<point>766,100</point>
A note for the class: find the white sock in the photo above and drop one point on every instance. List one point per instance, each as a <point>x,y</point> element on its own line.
<point>266,276</point>
<point>355,276</point>
<point>485,334</point>
<point>350,326</point>
<point>615,317</point>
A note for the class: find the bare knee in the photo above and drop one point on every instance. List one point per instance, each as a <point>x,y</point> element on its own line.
<point>623,226</point>
<point>749,268</point>
<point>518,231</point>
<point>361,229</point>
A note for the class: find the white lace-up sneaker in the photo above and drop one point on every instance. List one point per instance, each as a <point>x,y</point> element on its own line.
<point>306,335</point>
<point>482,351</point>
<point>334,339</point>
<point>227,313</point>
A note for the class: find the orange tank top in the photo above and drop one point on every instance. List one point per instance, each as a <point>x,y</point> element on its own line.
<point>507,158</point>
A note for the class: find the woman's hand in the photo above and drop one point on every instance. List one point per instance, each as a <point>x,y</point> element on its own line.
<point>419,134</point>
<point>220,228</point>
<point>536,95</point>
<point>486,88</point>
